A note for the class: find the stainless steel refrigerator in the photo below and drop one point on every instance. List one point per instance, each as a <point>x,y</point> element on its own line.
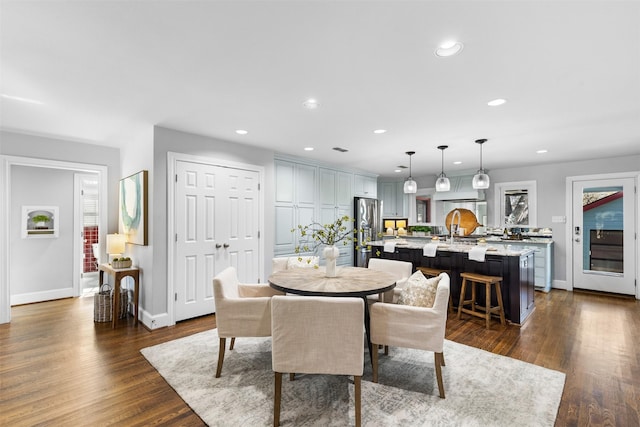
<point>368,216</point>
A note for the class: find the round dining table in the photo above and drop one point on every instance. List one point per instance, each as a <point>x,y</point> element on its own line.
<point>349,282</point>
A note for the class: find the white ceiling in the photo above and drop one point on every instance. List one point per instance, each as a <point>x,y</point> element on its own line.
<point>108,71</point>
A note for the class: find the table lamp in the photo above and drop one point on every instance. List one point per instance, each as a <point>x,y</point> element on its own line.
<point>115,245</point>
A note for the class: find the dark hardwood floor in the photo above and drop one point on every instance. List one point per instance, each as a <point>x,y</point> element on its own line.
<point>58,368</point>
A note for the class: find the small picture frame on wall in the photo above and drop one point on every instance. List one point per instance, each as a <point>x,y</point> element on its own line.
<point>133,208</point>
<point>40,222</point>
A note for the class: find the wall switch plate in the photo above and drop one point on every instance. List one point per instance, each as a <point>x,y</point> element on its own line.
<point>559,218</point>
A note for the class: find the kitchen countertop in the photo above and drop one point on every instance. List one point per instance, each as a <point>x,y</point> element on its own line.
<point>501,248</point>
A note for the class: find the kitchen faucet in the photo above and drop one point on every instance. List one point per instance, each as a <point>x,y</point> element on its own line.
<point>453,220</point>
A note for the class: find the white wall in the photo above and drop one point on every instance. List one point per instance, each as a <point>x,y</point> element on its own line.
<point>550,182</point>
<point>41,264</point>
<point>39,147</point>
<point>137,155</point>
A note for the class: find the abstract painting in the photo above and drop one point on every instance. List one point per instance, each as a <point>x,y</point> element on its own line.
<point>133,217</point>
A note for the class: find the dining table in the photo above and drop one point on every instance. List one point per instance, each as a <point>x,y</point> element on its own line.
<point>349,282</point>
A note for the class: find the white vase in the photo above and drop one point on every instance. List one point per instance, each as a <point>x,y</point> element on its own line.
<point>330,254</point>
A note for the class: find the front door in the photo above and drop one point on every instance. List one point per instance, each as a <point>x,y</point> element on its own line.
<point>603,233</point>
<point>217,225</point>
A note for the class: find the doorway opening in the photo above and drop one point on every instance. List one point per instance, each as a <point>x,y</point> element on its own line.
<point>58,265</point>
<point>87,192</point>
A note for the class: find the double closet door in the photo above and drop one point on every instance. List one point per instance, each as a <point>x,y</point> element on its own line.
<point>217,219</point>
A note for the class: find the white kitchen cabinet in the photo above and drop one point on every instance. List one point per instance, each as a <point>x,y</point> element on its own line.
<point>365,186</point>
<point>306,192</point>
<point>394,202</point>
<point>543,260</point>
<point>336,200</point>
<point>295,203</point>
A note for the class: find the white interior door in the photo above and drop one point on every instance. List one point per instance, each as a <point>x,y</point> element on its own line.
<point>241,217</point>
<point>603,233</point>
<point>217,225</point>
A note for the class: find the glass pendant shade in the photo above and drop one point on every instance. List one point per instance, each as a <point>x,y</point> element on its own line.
<point>481,179</point>
<point>410,186</point>
<point>442,183</point>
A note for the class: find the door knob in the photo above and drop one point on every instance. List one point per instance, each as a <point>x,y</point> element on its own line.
<point>226,245</point>
<point>218,245</point>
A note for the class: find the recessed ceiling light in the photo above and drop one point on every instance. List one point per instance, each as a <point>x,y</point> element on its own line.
<point>379,131</point>
<point>398,170</point>
<point>21,99</point>
<point>457,162</point>
<point>496,102</point>
<point>311,104</point>
<point>449,48</point>
<point>308,148</point>
<point>241,132</point>
<point>541,151</point>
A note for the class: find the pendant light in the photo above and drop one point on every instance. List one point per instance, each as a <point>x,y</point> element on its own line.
<point>410,186</point>
<point>442,183</point>
<point>481,179</point>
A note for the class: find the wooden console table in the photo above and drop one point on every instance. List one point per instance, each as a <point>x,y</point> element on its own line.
<point>119,274</point>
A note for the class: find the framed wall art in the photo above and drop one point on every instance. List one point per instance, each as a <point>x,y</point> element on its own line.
<point>40,221</point>
<point>516,204</point>
<point>133,216</point>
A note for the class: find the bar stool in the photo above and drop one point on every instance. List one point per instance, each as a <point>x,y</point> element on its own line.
<point>435,272</point>
<point>487,310</point>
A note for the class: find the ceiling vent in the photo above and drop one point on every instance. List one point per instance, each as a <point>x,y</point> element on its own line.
<point>342,150</point>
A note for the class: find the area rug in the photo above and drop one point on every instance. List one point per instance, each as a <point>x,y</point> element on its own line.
<point>482,389</point>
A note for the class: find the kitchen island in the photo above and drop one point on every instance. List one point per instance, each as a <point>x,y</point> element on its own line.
<point>515,266</point>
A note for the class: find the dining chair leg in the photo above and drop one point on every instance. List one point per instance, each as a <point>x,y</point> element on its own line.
<point>439,362</point>
<point>277,394</point>
<point>374,365</point>
<point>292,376</point>
<point>233,342</point>
<point>357,382</point>
<point>223,343</point>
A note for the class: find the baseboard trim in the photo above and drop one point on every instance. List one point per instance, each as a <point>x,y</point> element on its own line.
<point>152,322</point>
<point>31,297</point>
<point>559,284</point>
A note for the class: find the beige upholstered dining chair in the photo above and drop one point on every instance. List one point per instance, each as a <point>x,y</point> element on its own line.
<point>411,326</point>
<point>401,270</point>
<point>285,263</point>
<point>317,335</point>
<point>242,310</point>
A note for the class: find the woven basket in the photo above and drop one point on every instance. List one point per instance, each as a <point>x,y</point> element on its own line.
<point>103,304</point>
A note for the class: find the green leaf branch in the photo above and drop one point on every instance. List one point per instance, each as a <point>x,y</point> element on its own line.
<point>341,230</point>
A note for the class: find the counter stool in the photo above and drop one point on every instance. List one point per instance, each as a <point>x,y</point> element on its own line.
<point>435,272</point>
<point>487,310</point>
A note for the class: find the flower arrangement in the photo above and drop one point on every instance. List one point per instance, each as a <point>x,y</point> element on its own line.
<point>327,234</point>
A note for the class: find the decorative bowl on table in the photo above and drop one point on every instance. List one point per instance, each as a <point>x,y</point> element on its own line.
<point>121,263</point>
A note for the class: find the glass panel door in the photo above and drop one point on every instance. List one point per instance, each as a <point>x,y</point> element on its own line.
<point>603,233</point>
